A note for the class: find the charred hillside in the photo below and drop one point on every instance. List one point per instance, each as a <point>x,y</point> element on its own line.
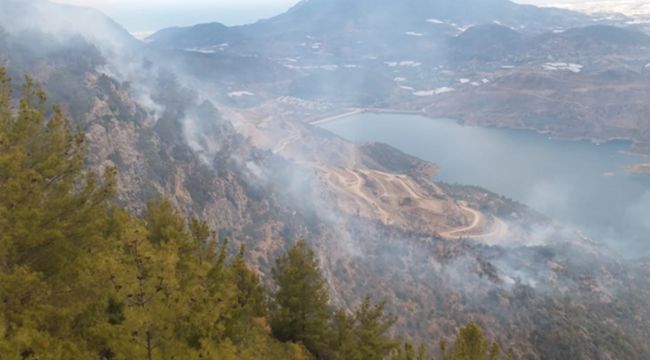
<point>225,135</point>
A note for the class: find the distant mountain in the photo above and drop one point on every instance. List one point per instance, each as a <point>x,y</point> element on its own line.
<point>360,53</point>
<point>638,10</point>
<point>382,20</point>
<point>194,36</point>
<point>493,42</point>
<point>486,43</point>
<point>602,34</point>
<point>61,19</point>
<point>322,15</point>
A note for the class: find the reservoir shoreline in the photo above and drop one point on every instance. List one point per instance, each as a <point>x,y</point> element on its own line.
<point>582,183</point>
<point>631,144</point>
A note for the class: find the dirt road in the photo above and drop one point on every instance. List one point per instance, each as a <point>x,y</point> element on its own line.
<point>497,229</point>
<point>294,135</point>
<point>476,222</point>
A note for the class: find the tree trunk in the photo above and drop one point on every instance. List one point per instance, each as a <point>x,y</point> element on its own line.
<point>149,346</point>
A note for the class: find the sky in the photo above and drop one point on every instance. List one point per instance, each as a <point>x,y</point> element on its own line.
<point>140,16</point>
<point>146,16</point>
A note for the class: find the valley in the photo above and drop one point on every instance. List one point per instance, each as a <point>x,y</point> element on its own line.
<point>327,125</point>
<point>553,77</point>
<point>551,174</point>
<point>408,200</point>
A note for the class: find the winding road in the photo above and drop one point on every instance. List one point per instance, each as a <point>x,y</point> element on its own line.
<point>497,230</point>
<point>294,135</point>
<point>476,222</point>
<point>354,183</point>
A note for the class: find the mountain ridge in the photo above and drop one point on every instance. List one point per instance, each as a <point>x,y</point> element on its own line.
<point>317,18</point>
<point>261,175</point>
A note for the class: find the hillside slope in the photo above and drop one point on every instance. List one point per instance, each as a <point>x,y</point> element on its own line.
<point>260,175</point>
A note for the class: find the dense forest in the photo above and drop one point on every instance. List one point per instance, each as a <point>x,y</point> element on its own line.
<point>82,278</point>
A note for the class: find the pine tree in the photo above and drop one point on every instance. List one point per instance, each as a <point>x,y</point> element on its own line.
<point>173,304</point>
<point>471,345</point>
<point>372,325</point>
<point>52,215</point>
<point>301,312</point>
<point>407,352</point>
<point>251,304</point>
<point>251,294</point>
<point>364,334</point>
<point>344,339</point>
<point>163,222</point>
<point>5,98</point>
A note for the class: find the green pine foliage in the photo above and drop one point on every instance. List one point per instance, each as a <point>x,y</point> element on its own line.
<point>81,278</point>
<point>472,345</point>
<point>51,220</point>
<point>407,352</point>
<point>301,312</point>
<point>362,335</point>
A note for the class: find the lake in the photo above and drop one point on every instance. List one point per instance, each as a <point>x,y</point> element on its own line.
<point>575,182</point>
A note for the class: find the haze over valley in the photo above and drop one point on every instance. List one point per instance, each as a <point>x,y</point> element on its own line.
<point>480,162</point>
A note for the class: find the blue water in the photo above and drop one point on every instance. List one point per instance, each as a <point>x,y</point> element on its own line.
<point>576,182</point>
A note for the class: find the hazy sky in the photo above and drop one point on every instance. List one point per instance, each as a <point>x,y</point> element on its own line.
<point>150,15</point>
